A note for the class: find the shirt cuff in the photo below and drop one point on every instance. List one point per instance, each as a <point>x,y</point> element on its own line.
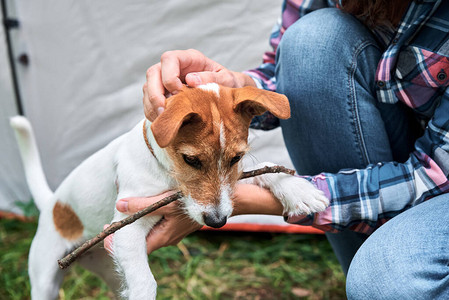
<point>321,220</point>
<point>256,80</point>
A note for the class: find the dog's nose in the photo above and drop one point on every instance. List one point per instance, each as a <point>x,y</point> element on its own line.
<point>214,221</point>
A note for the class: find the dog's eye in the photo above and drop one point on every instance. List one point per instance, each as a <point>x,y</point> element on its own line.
<point>192,161</point>
<point>235,159</point>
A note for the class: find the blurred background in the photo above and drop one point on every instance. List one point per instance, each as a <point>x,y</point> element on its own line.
<point>76,70</point>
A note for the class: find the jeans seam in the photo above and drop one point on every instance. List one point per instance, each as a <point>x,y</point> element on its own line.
<point>354,103</point>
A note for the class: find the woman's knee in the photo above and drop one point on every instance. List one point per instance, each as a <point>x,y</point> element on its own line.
<point>320,50</point>
<point>406,258</point>
<point>324,32</point>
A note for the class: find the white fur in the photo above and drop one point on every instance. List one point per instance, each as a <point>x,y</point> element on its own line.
<point>28,150</point>
<point>225,207</point>
<point>195,210</point>
<point>211,87</point>
<point>222,138</point>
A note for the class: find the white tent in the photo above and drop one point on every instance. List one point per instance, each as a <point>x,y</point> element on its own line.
<point>82,81</point>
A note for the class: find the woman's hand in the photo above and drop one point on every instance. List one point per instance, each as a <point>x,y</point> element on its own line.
<point>181,67</point>
<point>174,226</point>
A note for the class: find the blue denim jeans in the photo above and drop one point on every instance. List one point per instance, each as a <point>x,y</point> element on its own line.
<point>326,65</point>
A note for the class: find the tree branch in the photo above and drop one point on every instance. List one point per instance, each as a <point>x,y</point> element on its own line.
<point>71,257</point>
<point>266,169</point>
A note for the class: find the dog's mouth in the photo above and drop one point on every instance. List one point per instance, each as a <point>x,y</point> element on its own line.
<point>214,216</point>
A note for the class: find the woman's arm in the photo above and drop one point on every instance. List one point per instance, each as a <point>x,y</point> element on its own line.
<point>362,200</point>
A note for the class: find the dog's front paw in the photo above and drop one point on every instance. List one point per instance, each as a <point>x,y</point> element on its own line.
<point>298,196</point>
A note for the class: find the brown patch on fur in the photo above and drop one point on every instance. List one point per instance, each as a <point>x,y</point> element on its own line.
<point>67,222</point>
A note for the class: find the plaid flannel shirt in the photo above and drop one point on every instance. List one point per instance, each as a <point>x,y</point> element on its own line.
<point>413,69</point>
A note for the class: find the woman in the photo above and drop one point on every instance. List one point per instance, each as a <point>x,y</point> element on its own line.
<point>367,82</point>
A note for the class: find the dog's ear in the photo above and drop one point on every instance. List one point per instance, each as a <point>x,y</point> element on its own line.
<point>251,101</point>
<point>178,112</point>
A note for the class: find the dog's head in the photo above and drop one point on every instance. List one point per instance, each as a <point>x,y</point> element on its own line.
<point>204,132</point>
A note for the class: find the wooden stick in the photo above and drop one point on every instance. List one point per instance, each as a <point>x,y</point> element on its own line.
<point>266,169</point>
<point>71,257</point>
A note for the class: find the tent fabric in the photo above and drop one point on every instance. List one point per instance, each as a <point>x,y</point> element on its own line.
<point>83,84</point>
<point>13,188</point>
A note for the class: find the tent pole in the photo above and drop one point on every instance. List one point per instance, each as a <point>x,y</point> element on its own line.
<point>8,24</point>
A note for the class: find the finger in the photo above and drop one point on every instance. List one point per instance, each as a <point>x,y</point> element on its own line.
<point>169,232</point>
<point>195,61</point>
<point>199,78</point>
<point>223,77</point>
<point>171,71</point>
<point>150,112</point>
<point>175,65</point>
<point>154,92</point>
<point>158,237</point>
<point>134,204</point>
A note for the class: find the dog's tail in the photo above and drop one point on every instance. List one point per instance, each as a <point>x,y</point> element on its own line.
<point>31,161</point>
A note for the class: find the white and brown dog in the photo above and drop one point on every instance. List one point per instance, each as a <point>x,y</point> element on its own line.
<point>194,146</point>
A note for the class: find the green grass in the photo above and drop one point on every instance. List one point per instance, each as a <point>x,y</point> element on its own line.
<point>216,265</point>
